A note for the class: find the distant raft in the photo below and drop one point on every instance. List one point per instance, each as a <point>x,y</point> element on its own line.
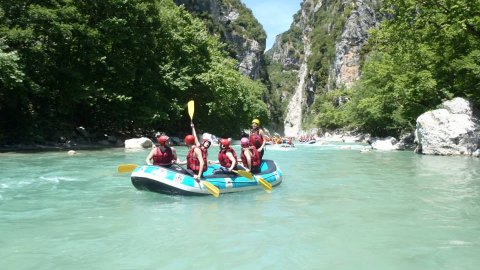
<point>178,181</point>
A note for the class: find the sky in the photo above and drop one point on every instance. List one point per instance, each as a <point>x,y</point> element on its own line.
<point>276,16</point>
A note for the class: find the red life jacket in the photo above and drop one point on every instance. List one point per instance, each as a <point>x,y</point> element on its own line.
<point>255,138</point>
<point>163,158</point>
<point>223,158</point>
<point>255,157</point>
<point>204,152</point>
<point>193,163</point>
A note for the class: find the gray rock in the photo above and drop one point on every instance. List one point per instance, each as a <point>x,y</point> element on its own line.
<point>385,144</point>
<point>136,143</point>
<point>453,129</point>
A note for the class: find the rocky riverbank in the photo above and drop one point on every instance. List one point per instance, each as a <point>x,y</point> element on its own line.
<point>452,129</point>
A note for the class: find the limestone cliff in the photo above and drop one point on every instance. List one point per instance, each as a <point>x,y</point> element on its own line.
<point>323,49</point>
<point>236,26</point>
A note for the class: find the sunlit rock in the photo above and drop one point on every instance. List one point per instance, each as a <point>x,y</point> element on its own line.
<point>407,141</point>
<point>385,144</point>
<point>136,143</point>
<point>344,136</point>
<point>453,129</point>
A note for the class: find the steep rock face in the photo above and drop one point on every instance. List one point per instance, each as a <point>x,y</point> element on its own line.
<point>355,34</point>
<point>284,53</point>
<point>237,27</point>
<point>327,37</point>
<point>293,118</point>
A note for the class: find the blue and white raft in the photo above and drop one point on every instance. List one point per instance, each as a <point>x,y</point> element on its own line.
<point>178,181</point>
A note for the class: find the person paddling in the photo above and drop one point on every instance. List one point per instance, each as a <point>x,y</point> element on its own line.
<point>257,137</point>
<point>196,160</point>
<point>162,155</point>
<point>205,142</point>
<point>250,156</point>
<point>227,156</point>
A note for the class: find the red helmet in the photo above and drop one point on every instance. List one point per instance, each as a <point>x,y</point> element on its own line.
<point>162,139</point>
<point>189,139</point>
<point>225,143</point>
<point>244,142</point>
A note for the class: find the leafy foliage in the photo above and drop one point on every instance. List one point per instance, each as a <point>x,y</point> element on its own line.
<point>232,31</point>
<point>247,23</point>
<point>115,66</point>
<point>283,86</point>
<point>425,53</point>
<point>330,21</point>
<point>12,91</point>
<point>331,114</point>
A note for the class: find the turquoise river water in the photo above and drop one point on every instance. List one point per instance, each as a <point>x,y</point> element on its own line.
<point>337,208</point>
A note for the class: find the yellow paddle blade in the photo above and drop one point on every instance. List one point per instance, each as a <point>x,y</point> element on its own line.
<point>126,168</point>
<point>191,109</point>
<point>211,189</point>
<point>266,185</point>
<point>245,174</point>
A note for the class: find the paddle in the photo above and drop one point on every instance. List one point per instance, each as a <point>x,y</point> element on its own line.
<point>264,183</point>
<point>245,174</point>
<point>191,109</point>
<point>209,186</point>
<point>126,168</point>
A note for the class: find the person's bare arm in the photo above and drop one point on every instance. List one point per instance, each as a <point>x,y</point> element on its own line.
<point>175,157</point>
<point>232,159</point>
<point>264,138</point>
<point>248,156</point>
<point>148,160</point>
<point>194,133</point>
<point>179,162</point>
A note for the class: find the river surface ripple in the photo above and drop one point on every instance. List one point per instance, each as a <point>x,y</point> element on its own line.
<point>337,208</point>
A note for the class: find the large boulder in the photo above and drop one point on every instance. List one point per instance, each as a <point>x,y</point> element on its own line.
<point>136,143</point>
<point>453,129</point>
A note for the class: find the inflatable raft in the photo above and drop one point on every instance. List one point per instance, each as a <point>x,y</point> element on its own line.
<point>178,181</point>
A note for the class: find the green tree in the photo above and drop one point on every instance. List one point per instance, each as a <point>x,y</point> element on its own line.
<point>124,67</point>
<point>13,95</point>
<point>425,53</point>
